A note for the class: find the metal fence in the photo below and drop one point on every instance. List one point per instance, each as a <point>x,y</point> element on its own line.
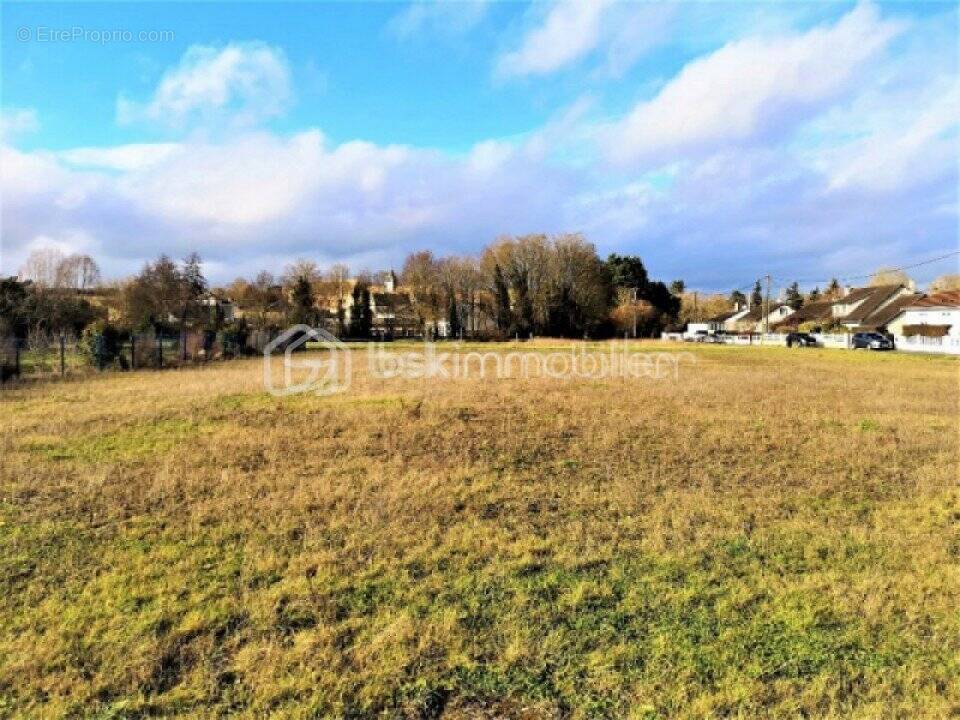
<point>61,356</point>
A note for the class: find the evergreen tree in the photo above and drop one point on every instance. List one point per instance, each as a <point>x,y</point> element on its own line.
<point>677,287</point>
<point>794,296</point>
<point>756,297</point>
<point>453,316</point>
<point>360,317</point>
<point>301,298</point>
<point>193,291</point>
<point>833,289</point>
<point>738,299</point>
<point>814,295</point>
<point>627,271</point>
<point>523,322</point>
<point>502,300</point>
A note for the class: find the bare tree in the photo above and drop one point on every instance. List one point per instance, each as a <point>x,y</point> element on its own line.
<point>77,271</point>
<point>301,268</point>
<point>421,277</point>
<point>51,268</point>
<point>88,272</point>
<point>43,267</point>
<point>889,276</point>
<point>580,289</point>
<point>945,283</point>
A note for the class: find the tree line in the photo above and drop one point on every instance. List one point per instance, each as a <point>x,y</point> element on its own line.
<point>515,287</point>
<point>538,285</point>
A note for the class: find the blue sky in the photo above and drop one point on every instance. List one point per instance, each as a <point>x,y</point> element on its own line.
<point>718,141</point>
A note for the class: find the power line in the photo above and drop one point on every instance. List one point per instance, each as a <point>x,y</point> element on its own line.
<point>869,275</point>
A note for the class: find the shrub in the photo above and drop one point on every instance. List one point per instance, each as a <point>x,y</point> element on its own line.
<point>101,342</point>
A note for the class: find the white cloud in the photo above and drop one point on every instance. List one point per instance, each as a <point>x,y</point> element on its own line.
<point>122,157</point>
<point>569,31</point>
<point>260,199</point>
<point>901,156</point>
<point>70,241</point>
<point>265,195</point>
<point>442,18</point>
<point>563,34</point>
<point>634,29</point>
<point>17,121</point>
<point>248,82</point>
<point>751,87</point>
<point>794,160</point>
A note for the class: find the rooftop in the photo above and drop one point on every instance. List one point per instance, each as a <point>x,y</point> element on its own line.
<point>948,299</point>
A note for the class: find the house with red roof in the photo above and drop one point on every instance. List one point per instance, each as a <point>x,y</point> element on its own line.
<point>931,316</point>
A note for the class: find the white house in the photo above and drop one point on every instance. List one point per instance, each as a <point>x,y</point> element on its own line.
<point>700,328</point>
<point>936,315</point>
<point>865,307</point>
<point>224,307</point>
<point>728,321</point>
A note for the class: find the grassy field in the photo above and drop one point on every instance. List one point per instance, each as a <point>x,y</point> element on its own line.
<point>775,533</point>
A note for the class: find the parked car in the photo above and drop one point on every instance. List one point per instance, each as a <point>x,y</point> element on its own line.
<point>871,341</point>
<point>801,339</point>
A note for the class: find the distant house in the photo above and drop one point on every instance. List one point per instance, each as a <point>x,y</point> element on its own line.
<point>936,315</point>
<point>391,309</point>
<point>222,306</point>
<point>728,321</point>
<point>758,320</point>
<point>818,311</point>
<point>700,328</point>
<point>867,308</point>
<point>392,314</point>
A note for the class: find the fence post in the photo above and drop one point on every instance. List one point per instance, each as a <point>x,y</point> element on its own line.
<point>98,350</point>
<point>63,363</point>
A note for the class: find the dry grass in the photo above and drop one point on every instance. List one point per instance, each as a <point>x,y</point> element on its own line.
<point>777,533</point>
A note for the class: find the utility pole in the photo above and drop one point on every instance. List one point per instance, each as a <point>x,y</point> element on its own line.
<point>696,311</point>
<point>635,290</point>
<point>766,309</point>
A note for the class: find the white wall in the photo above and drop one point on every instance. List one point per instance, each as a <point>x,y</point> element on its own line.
<point>928,316</point>
<point>948,345</point>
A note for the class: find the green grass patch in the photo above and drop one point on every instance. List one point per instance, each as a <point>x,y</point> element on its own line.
<point>144,440</point>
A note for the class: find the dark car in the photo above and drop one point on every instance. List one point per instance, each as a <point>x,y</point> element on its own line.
<point>871,341</point>
<point>801,339</point>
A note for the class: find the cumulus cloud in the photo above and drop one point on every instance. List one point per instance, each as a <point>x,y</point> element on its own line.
<point>751,88</point>
<point>17,121</point>
<point>793,150</point>
<point>569,31</point>
<point>248,82</point>
<point>121,157</point>
<point>265,195</point>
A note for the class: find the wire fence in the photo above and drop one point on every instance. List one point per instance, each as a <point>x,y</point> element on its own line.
<point>51,356</point>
